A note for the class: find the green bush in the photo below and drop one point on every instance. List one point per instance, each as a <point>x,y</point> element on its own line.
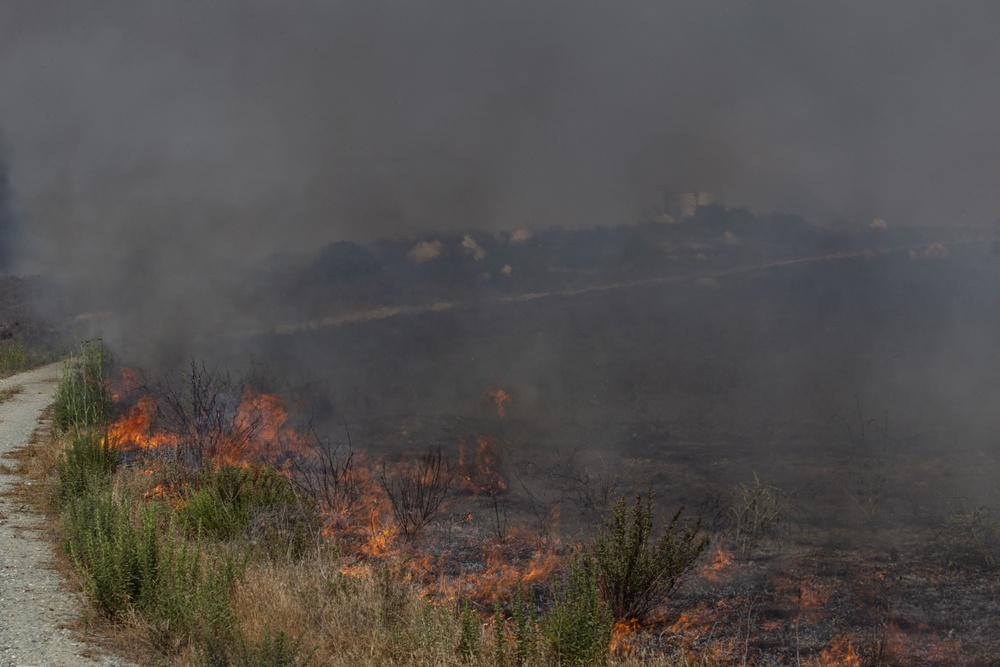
<point>142,567</point>
<point>274,650</point>
<point>82,399</point>
<point>253,502</point>
<point>470,639</point>
<point>634,573</point>
<point>578,628</point>
<point>16,357</point>
<point>968,535</point>
<point>524,621</point>
<point>118,562</point>
<point>87,463</point>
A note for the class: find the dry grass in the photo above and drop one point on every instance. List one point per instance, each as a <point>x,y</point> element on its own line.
<point>370,618</point>
<point>362,616</point>
<point>367,618</point>
<point>11,392</point>
<point>35,464</point>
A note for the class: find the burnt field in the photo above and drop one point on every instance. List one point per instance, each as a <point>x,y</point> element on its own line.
<point>817,405</point>
<point>832,421</point>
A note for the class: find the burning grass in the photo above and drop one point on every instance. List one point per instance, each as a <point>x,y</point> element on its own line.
<point>273,544</point>
<point>229,535</point>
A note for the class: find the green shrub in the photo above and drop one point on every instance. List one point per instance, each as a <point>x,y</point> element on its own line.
<point>469,638</point>
<point>634,573</point>
<point>118,562</point>
<point>524,622</point>
<point>142,567</point>
<point>498,635</point>
<point>274,650</point>
<point>578,628</point>
<point>82,399</point>
<point>968,535</point>
<point>254,502</point>
<point>191,592</point>
<point>16,357</point>
<point>87,463</point>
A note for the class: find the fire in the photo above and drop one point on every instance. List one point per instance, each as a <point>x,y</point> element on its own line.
<point>135,428</point>
<point>719,565</point>
<point>126,382</point>
<point>505,570</point>
<point>811,599</point>
<point>841,653</point>
<point>623,636</point>
<point>923,642</point>
<point>694,623</point>
<point>497,397</point>
<point>265,411</point>
<point>259,419</point>
<point>481,476</point>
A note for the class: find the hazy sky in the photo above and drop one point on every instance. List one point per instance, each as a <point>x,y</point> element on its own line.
<point>183,131</point>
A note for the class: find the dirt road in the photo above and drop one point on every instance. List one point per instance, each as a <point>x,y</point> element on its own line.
<point>36,608</point>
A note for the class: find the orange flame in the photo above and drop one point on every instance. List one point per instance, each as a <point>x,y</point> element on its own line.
<point>125,382</point>
<point>694,623</point>
<point>498,398</point>
<point>135,428</point>
<point>262,415</point>
<point>840,653</point>
<point>719,565</point>
<point>482,475</point>
<point>623,636</point>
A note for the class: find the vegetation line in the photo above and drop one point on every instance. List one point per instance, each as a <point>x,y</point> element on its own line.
<point>387,312</point>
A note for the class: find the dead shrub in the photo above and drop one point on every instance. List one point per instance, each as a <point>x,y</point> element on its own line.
<point>203,407</point>
<point>417,491</point>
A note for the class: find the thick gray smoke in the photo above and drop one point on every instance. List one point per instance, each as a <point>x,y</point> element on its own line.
<point>153,144</point>
<point>8,222</point>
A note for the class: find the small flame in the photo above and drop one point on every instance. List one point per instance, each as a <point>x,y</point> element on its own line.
<point>623,635</point>
<point>496,397</point>
<point>719,565</point>
<point>840,653</point>
<point>481,475</point>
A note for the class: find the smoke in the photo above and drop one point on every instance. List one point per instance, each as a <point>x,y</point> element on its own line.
<point>155,147</point>
<point>8,221</point>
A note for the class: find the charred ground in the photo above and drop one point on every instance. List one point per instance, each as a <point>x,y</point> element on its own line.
<point>851,373</point>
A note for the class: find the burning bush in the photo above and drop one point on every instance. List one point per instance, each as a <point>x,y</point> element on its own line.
<point>212,416</point>
<point>634,575</point>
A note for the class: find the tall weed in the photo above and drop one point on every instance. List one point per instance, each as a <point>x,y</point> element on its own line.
<point>86,464</point>
<point>578,627</point>
<point>82,398</point>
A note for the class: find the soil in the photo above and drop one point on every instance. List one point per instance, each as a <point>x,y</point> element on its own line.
<point>38,612</point>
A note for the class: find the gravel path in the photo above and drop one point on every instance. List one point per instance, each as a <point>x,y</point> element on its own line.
<point>35,607</point>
